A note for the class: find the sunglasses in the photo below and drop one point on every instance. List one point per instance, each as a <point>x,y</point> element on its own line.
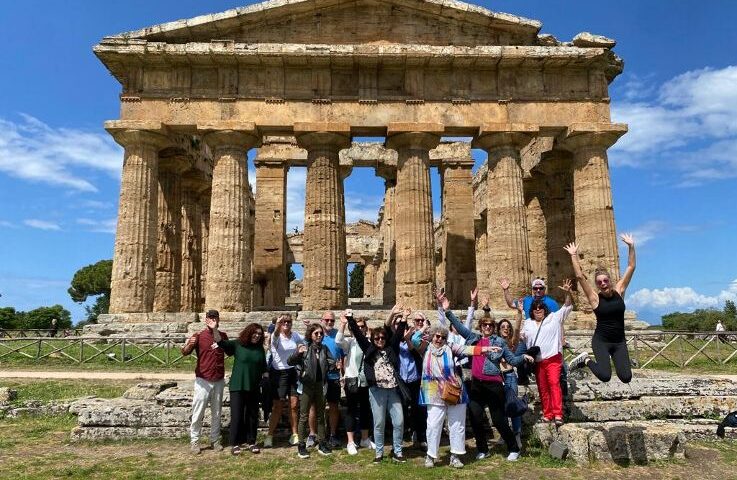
<point>286,322</point>
<point>602,282</point>
<point>318,334</point>
<point>538,308</point>
<point>538,289</point>
<point>437,335</point>
<point>487,325</point>
<point>381,337</point>
<point>328,320</point>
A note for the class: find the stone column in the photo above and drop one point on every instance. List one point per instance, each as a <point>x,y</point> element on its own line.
<point>269,270</point>
<point>458,229</point>
<point>228,285</point>
<point>536,189</point>
<point>169,252</point>
<point>386,285</point>
<point>204,202</point>
<point>134,260</point>
<point>191,275</point>
<point>593,210</point>
<point>369,278</point>
<point>413,231</point>
<point>506,222</point>
<point>325,275</point>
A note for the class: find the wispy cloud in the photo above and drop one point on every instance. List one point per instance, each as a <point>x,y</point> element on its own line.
<point>41,224</point>
<point>7,224</point>
<point>671,299</point>
<point>653,229</point>
<point>689,123</point>
<point>32,150</point>
<point>108,225</point>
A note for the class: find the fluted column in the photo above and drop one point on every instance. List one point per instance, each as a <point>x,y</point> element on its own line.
<point>169,252</point>
<point>369,279</point>
<point>413,232</point>
<point>506,218</point>
<point>228,285</point>
<point>386,285</point>
<point>593,209</point>
<point>325,275</point>
<point>134,259</point>
<point>458,229</point>
<point>269,272</point>
<point>191,272</point>
<point>204,202</point>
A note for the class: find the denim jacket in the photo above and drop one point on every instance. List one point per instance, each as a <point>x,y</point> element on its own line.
<point>491,362</point>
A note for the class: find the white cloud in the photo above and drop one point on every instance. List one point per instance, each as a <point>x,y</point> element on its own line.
<point>41,224</point>
<point>32,150</point>
<point>102,226</point>
<point>689,124</point>
<point>7,224</point>
<point>671,299</point>
<point>647,231</point>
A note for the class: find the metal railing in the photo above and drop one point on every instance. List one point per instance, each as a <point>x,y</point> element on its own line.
<point>647,349</point>
<point>39,332</point>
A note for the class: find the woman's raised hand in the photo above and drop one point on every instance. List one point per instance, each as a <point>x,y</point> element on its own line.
<point>504,283</point>
<point>484,301</point>
<point>571,248</point>
<point>627,239</point>
<point>445,303</point>
<point>343,319</point>
<point>521,305</point>
<point>567,285</point>
<point>474,295</point>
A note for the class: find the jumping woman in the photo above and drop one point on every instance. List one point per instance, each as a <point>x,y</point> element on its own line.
<point>608,305</point>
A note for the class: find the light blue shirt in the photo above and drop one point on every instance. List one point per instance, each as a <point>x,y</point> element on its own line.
<point>407,365</point>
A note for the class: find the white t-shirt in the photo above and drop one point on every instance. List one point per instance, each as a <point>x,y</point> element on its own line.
<point>282,348</point>
<point>550,339</point>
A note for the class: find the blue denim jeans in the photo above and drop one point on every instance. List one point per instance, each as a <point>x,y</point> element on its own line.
<point>510,381</point>
<point>383,399</point>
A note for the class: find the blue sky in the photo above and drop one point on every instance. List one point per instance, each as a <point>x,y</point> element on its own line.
<point>673,175</point>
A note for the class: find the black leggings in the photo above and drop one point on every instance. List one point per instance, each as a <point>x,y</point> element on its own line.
<point>489,394</point>
<point>416,413</point>
<point>359,410</point>
<point>619,354</point>
<point>243,417</point>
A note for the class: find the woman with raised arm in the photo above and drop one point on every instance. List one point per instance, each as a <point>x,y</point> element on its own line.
<point>386,388</point>
<point>443,392</point>
<point>608,305</point>
<point>487,384</point>
<point>249,367</point>
<point>355,385</point>
<point>543,334</point>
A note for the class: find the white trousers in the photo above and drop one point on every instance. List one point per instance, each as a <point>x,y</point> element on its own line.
<point>205,392</point>
<point>456,424</point>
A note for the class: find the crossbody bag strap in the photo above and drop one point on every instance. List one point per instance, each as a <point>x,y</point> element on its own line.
<point>538,332</point>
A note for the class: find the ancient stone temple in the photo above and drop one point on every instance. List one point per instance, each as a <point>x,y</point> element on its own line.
<point>298,81</point>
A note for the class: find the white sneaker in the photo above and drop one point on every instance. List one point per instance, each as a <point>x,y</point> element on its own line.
<point>429,462</point>
<point>579,361</point>
<point>311,440</point>
<point>368,443</point>
<point>513,456</point>
<point>351,447</point>
<point>455,462</point>
<point>293,439</point>
<point>481,455</point>
<point>268,441</point>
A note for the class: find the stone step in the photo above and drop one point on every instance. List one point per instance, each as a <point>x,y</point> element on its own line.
<point>637,442</point>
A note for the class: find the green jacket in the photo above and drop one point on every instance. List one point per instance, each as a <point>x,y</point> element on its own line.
<point>249,365</point>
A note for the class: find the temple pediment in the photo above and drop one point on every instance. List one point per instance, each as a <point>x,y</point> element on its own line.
<point>424,22</point>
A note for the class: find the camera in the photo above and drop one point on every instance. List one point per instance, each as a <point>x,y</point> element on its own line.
<point>348,313</point>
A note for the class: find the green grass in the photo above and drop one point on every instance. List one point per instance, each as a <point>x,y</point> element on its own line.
<point>45,391</point>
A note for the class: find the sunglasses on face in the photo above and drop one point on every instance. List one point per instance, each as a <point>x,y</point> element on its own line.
<point>286,322</point>
<point>318,334</point>
<point>328,320</point>
<point>442,337</point>
<point>380,338</point>
<point>604,281</point>
<point>487,325</point>
<point>538,308</point>
<point>538,289</point>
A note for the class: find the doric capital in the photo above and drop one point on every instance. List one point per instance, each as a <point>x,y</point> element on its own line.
<point>504,135</point>
<point>322,135</point>
<point>133,133</point>
<point>241,139</point>
<point>413,136</point>
<point>591,135</point>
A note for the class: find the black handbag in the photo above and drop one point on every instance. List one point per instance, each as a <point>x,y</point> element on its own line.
<point>351,385</point>
<point>514,406</point>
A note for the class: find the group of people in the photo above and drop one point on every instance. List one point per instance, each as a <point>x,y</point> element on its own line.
<point>407,369</point>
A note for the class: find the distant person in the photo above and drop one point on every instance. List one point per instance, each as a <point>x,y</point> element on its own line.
<point>54,327</point>
<point>720,328</point>
<point>608,304</point>
<point>209,380</point>
<point>249,366</point>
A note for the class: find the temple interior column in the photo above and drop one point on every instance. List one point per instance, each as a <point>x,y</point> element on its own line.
<point>458,229</point>
<point>228,286</point>
<point>506,218</point>
<point>535,191</point>
<point>413,231</point>
<point>269,272</point>
<point>204,202</point>
<point>325,275</point>
<point>191,275</point>
<point>134,259</point>
<point>593,210</point>
<point>167,294</point>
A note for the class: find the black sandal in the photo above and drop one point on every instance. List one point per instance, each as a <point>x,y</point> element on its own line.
<point>255,449</point>
<point>235,450</point>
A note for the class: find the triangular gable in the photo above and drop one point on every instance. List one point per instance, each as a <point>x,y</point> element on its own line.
<point>424,22</point>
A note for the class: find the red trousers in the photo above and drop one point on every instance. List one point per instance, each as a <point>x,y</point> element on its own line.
<point>547,376</point>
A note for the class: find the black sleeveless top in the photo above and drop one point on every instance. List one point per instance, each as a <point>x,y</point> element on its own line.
<point>610,318</point>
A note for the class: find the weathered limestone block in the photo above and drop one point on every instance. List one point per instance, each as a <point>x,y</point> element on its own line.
<point>590,40</point>
<point>228,287</point>
<point>93,433</point>
<point>134,258</point>
<point>413,231</point>
<point>147,390</point>
<point>325,277</point>
<point>653,407</point>
<point>506,218</point>
<point>621,442</point>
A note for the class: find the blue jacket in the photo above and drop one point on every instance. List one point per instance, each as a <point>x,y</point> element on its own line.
<point>491,361</point>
